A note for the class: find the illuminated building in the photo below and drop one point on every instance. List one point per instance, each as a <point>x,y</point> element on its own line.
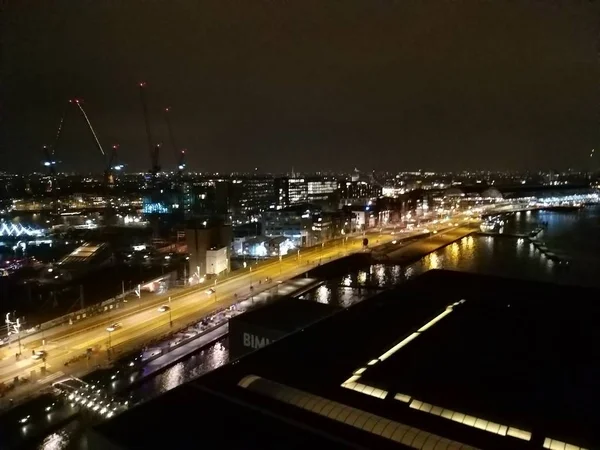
<point>204,236</point>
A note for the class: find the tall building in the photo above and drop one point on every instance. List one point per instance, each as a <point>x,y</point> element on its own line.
<point>320,189</point>
<point>298,190</point>
<point>251,195</point>
<point>357,190</point>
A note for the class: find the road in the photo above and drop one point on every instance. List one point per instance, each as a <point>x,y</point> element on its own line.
<point>140,321</point>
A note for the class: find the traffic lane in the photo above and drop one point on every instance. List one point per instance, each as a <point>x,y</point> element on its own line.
<point>249,277</point>
<point>190,307</point>
<point>186,303</point>
<point>35,340</point>
<point>97,336</point>
<point>146,322</point>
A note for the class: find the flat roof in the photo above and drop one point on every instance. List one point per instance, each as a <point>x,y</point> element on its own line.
<point>83,254</point>
<point>199,418</point>
<point>477,373</point>
<point>287,314</point>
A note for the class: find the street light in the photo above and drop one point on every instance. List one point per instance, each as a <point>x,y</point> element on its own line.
<point>108,348</point>
<point>170,317</point>
<point>15,327</point>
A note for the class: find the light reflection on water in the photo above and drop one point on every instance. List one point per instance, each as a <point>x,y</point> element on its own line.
<point>68,437</point>
<point>55,441</point>
<point>199,363</point>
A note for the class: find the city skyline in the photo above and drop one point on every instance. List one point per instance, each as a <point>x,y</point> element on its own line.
<point>411,86</point>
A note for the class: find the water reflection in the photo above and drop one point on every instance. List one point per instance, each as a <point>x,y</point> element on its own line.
<point>323,294</point>
<point>210,358</point>
<point>67,437</point>
<point>173,376</point>
<point>432,261</point>
<point>347,280</point>
<point>362,277</point>
<point>56,441</point>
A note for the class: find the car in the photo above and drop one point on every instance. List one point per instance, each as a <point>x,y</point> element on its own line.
<point>164,308</point>
<point>38,355</point>
<point>113,327</point>
<point>210,291</point>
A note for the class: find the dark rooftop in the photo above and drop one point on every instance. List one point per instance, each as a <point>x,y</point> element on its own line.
<point>484,374</point>
<point>288,314</point>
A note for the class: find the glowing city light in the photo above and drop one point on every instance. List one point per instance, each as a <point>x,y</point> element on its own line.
<point>17,230</point>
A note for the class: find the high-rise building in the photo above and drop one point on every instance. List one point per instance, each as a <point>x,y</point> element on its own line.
<point>251,195</point>
<point>298,190</point>
<point>320,189</point>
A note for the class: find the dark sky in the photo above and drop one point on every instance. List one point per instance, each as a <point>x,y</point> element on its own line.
<point>323,84</point>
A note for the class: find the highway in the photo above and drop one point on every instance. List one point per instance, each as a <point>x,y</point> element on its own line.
<point>140,321</point>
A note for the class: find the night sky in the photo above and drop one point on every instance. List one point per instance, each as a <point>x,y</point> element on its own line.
<point>318,85</point>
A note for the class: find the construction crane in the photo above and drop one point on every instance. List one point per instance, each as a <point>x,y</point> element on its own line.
<point>50,153</point>
<point>112,166</point>
<point>153,148</point>
<point>180,154</point>
<point>78,103</point>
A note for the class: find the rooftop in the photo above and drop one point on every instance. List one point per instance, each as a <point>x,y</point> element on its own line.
<point>415,367</point>
<point>83,254</point>
<point>287,314</point>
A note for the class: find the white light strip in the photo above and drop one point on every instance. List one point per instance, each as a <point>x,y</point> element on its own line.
<point>402,397</point>
<point>372,362</point>
<point>398,346</point>
<point>360,371</point>
<point>364,389</point>
<point>519,434</point>
<point>553,444</point>
<point>471,421</point>
<point>434,321</point>
<point>352,379</point>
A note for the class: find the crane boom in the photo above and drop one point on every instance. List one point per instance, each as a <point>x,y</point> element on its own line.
<point>109,173</point>
<point>171,135</point>
<point>146,118</point>
<point>154,149</point>
<point>178,154</point>
<point>59,130</point>
<point>98,145</point>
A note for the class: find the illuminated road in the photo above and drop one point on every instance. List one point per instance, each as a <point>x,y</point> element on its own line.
<point>141,321</point>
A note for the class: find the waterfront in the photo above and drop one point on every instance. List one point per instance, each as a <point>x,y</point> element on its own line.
<point>574,235</point>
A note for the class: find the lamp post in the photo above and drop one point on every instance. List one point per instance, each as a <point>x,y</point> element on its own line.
<point>170,317</point>
<point>15,327</point>
<point>109,347</point>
